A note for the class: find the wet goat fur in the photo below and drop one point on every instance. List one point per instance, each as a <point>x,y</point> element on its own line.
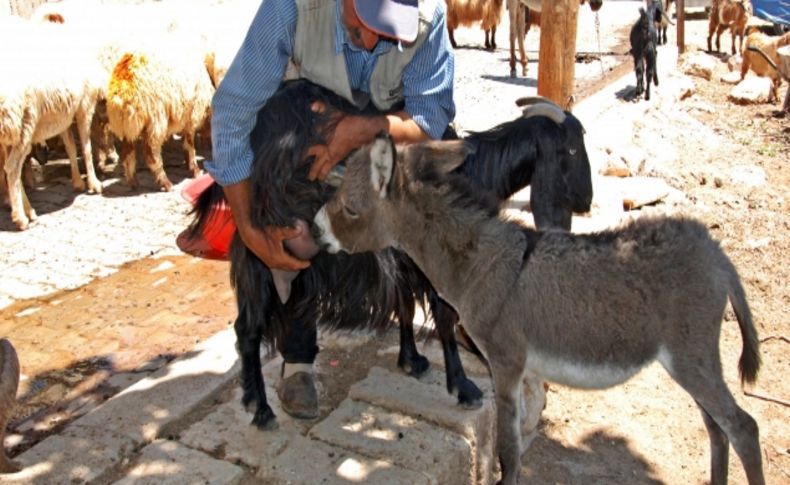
<point>585,311</point>
<point>339,292</point>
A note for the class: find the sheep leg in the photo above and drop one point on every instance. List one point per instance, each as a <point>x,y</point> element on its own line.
<point>188,145</point>
<point>102,138</point>
<point>21,211</point>
<point>703,380</point>
<point>129,161</point>
<point>469,395</point>
<point>83,120</point>
<point>152,150</point>
<point>71,151</point>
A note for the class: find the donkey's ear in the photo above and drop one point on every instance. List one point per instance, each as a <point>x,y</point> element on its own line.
<point>382,161</point>
<point>439,156</point>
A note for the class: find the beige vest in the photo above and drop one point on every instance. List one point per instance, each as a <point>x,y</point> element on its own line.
<point>315,59</point>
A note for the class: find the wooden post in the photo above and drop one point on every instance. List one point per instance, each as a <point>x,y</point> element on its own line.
<point>557,58</point>
<point>569,54</point>
<point>680,18</point>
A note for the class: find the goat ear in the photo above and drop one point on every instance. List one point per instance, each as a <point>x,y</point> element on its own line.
<point>382,162</point>
<point>441,156</point>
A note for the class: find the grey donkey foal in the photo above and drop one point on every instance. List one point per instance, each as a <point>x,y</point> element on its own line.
<point>586,311</point>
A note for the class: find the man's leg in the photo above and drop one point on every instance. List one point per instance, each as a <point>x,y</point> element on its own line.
<point>296,388</point>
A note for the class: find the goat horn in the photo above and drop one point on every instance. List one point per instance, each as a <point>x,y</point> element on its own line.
<point>540,106</point>
<point>335,176</point>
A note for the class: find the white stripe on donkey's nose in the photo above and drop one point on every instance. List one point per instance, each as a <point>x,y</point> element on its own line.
<point>327,239</point>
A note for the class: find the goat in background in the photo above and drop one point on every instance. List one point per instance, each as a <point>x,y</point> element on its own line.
<point>761,56</point>
<point>587,311</point>
<point>467,12</point>
<point>644,40</point>
<point>729,14</point>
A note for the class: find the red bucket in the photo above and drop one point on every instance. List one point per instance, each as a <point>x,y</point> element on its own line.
<point>219,227</point>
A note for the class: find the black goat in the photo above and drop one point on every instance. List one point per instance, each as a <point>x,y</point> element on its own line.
<point>364,290</point>
<point>644,40</point>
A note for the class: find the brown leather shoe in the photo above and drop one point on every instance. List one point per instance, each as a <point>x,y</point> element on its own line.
<point>298,396</point>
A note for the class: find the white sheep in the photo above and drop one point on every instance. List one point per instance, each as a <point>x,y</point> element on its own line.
<point>153,94</point>
<point>41,94</point>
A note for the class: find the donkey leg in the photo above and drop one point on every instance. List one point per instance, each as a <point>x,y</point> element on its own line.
<point>719,449</point>
<point>707,387</point>
<point>469,395</point>
<point>507,387</point>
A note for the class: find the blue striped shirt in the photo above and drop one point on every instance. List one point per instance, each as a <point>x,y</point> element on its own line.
<point>260,64</point>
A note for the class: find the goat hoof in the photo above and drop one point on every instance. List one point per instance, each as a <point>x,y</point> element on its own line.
<point>469,395</point>
<point>415,366</point>
<point>265,420</point>
<point>248,402</point>
<point>418,366</point>
<point>22,224</point>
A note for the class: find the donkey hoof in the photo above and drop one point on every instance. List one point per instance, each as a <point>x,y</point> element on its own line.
<point>265,420</point>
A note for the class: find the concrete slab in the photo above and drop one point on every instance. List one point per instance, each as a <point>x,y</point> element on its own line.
<point>170,463</point>
<point>77,455</point>
<point>144,409</point>
<point>406,441</point>
<point>429,402</point>
<point>306,461</point>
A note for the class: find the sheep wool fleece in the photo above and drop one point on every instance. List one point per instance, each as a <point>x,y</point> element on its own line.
<point>315,58</point>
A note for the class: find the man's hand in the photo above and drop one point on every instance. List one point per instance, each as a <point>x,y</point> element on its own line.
<point>353,131</point>
<point>267,244</point>
<point>350,133</point>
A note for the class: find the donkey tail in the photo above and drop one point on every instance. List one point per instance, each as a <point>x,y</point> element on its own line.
<point>749,364</point>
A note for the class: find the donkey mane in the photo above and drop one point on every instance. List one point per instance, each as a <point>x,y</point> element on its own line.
<point>462,190</point>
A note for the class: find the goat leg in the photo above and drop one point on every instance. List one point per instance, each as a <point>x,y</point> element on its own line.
<point>409,359</point>
<point>248,336</point>
<point>469,395</point>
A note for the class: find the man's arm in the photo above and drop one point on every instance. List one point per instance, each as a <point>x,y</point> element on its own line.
<point>428,91</point>
<point>255,74</point>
